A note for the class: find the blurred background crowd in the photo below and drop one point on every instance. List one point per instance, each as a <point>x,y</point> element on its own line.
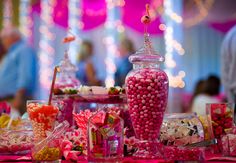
<point>194,36</point>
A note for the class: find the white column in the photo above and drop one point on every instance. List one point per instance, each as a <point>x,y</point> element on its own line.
<point>47,51</point>
<point>174,51</point>
<point>111,39</point>
<point>26,20</point>
<point>75,24</point>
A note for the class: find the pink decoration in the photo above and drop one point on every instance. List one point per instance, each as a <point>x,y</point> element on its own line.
<point>94,14</point>
<point>71,142</point>
<point>132,14</point>
<point>4,107</point>
<point>223,26</point>
<point>130,141</point>
<point>81,120</point>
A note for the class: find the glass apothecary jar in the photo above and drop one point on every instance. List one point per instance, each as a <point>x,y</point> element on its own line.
<point>147,94</point>
<point>65,85</point>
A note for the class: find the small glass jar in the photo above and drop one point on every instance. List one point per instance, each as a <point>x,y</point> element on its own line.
<point>221,121</point>
<point>67,76</point>
<point>42,117</point>
<point>65,82</point>
<point>147,93</point>
<point>228,145</point>
<point>105,135</point>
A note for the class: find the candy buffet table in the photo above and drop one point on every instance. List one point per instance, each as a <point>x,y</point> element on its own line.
<point>26,159</point>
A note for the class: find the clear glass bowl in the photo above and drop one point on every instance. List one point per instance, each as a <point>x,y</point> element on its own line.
<point>180,129</point>
<point>17,142</point>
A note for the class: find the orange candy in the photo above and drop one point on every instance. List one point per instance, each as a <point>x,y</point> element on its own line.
<point>68,39</point>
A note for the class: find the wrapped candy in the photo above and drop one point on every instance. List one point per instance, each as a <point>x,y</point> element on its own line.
<point>221,120</point>
<point>181,129</point>
<point>105,136</point>
<point>16,142</point>
<point>228,143</point>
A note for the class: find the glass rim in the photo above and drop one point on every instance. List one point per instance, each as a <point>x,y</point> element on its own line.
<point>228,103</point>
<point>35,101</point>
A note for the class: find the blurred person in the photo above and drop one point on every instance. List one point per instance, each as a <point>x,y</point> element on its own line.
<point>199,89</point>
<point>2,52</point>
<point>18,70</point>
<point>228,65</point>
<point>123,66</point>
<point>209,95</point>
<point>86,72</point>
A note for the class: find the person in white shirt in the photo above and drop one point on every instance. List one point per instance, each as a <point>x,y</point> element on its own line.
<point>228,65</point>
<point>209,95</point>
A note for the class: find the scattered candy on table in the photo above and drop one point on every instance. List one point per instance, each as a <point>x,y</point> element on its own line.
<point>173,153</point>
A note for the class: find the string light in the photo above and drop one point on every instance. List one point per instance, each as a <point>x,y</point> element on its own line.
<point>172,45</point>
<point>203,6</point>
<point>76,25</point>
<point>25,19</point>
<point>113,26</point>
<point>46,52</point>
<point>7,17</point>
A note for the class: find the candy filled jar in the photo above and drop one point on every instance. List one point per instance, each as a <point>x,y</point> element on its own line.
<point>105,135</point>
<point>147,93</point>
<point>68,83</point>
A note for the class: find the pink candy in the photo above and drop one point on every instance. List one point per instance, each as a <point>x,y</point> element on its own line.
<point>184,153</point>
<point>147,92</point>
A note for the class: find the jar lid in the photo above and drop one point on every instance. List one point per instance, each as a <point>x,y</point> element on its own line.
<point>146,53</point>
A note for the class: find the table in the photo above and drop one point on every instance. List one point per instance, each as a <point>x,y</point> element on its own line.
<point>26,159</point>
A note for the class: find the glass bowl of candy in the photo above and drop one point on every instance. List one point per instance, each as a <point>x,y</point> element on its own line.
<point>180,129</point>
<point>15,141</point>
<point>49,149</point>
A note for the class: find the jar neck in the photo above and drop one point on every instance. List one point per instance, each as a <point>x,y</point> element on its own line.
<point>145,65</point>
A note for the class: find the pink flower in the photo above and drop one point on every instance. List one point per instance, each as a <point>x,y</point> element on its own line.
<point>4,107</point>
<point>66,145</point>
<point>131,141</point>
<point>71,155</point>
